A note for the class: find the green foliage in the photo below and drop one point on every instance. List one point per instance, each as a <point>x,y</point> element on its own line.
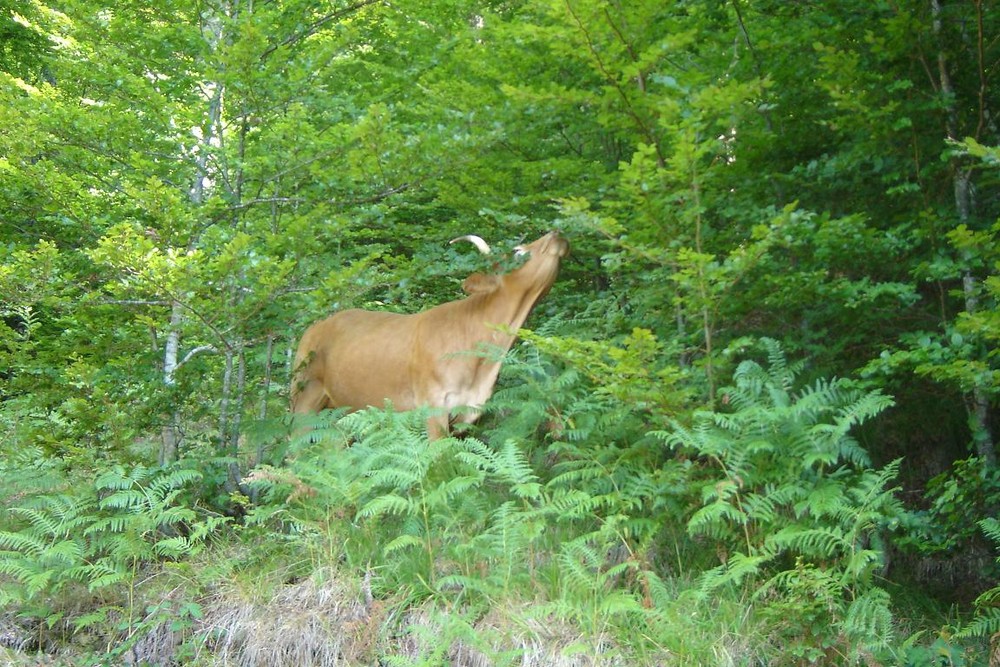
<point>957,353</point>
<point>798,515</point>
<point>434,516</point>
<point>986,623</point>
<point>102,536</point>
<point>621,372</point>
<point>940,652</point>
<point>956,500</point>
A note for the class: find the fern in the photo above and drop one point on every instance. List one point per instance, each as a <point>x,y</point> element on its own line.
<point>713,519</point>
<point>991,528</point>
<point>99,536</point>
<point>420,506</point>
<point>987,620</point>
<point>819,543</point>
<point>985,624</point>
<point>508,465</point>
<point>27,544</point>
<point>868,620</point>
<point>387,504</point>
<point>787,482</point>
<point>734,572</point>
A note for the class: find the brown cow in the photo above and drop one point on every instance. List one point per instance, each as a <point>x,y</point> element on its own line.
<point>442,358</point>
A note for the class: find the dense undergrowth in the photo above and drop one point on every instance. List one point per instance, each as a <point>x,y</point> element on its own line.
<point>564,532</point>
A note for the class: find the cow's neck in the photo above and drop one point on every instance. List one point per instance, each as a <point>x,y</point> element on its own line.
<point>510,306</point>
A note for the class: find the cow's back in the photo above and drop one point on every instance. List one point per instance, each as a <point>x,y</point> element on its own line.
<point>354,359</point>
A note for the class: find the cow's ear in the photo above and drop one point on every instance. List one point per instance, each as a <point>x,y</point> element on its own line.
<point>479,283</point>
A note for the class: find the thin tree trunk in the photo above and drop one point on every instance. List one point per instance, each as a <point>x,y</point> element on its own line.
<point>229,427</point>
<point>168,448</point>
<point>265,391</point>
<point>978,401</point>
<point>703,292</point>
<point>241,386</point>
<point>235,476</point>
<point>227,382</point>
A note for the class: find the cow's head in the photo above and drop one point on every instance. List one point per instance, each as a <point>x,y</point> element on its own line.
<point>535,276</point>
<point>544,257</point>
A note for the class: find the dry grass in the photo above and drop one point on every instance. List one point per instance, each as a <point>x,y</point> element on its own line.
<point>14,634</point>
<point>322,621</point>
<point>329,621</point>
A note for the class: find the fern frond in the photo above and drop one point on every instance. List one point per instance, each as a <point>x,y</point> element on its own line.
<point>125,499</point>
<point>103,573</point>
<point>859,566</point>
<point>819,542</point>
<point>826,497</point>
<point>851,451</point>
<point>128,547</point>
<point>620,603</point>
<point>388,504</point>
<point>117,523</point>
<point>514,465</point>
<point>738,568</point>
<point>455,487</point>
<point>116,479</point>
<point>711,520</point>
<point>37,579</point>
<point>661,595</point>
<point>172,516</point>
<point>862,408</point>
<point>42,521</point>
<point>576,475</point>
<point>868,621</point>
<point>25,543</point>
<point>171,482</point>
<point>578,565</point>
<point>985,624</point>
<point>401,543</point>
<point>991,528</point>
<point>750,378</point>
<point>64,551</point>
<point>768,507</point>
<point>508,465</point>
<point>780,373</point>
<point>173,547</point>
<point>573,503</point>
<point>396,472</point>
<point>808,582</point>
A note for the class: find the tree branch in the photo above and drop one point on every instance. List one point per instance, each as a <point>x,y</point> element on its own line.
<point>314,27</point>
<point>612,80</point>
<point>195,352</point>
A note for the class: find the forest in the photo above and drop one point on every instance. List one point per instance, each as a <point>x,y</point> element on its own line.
<point>754,422</point>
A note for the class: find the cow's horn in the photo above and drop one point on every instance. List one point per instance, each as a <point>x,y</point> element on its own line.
<point>477,241</point>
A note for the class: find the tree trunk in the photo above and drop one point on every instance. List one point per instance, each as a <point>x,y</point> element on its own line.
<point>978,402</point>
<point>168,449</point>
<point>229,426</point>
<point>265,392</point>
